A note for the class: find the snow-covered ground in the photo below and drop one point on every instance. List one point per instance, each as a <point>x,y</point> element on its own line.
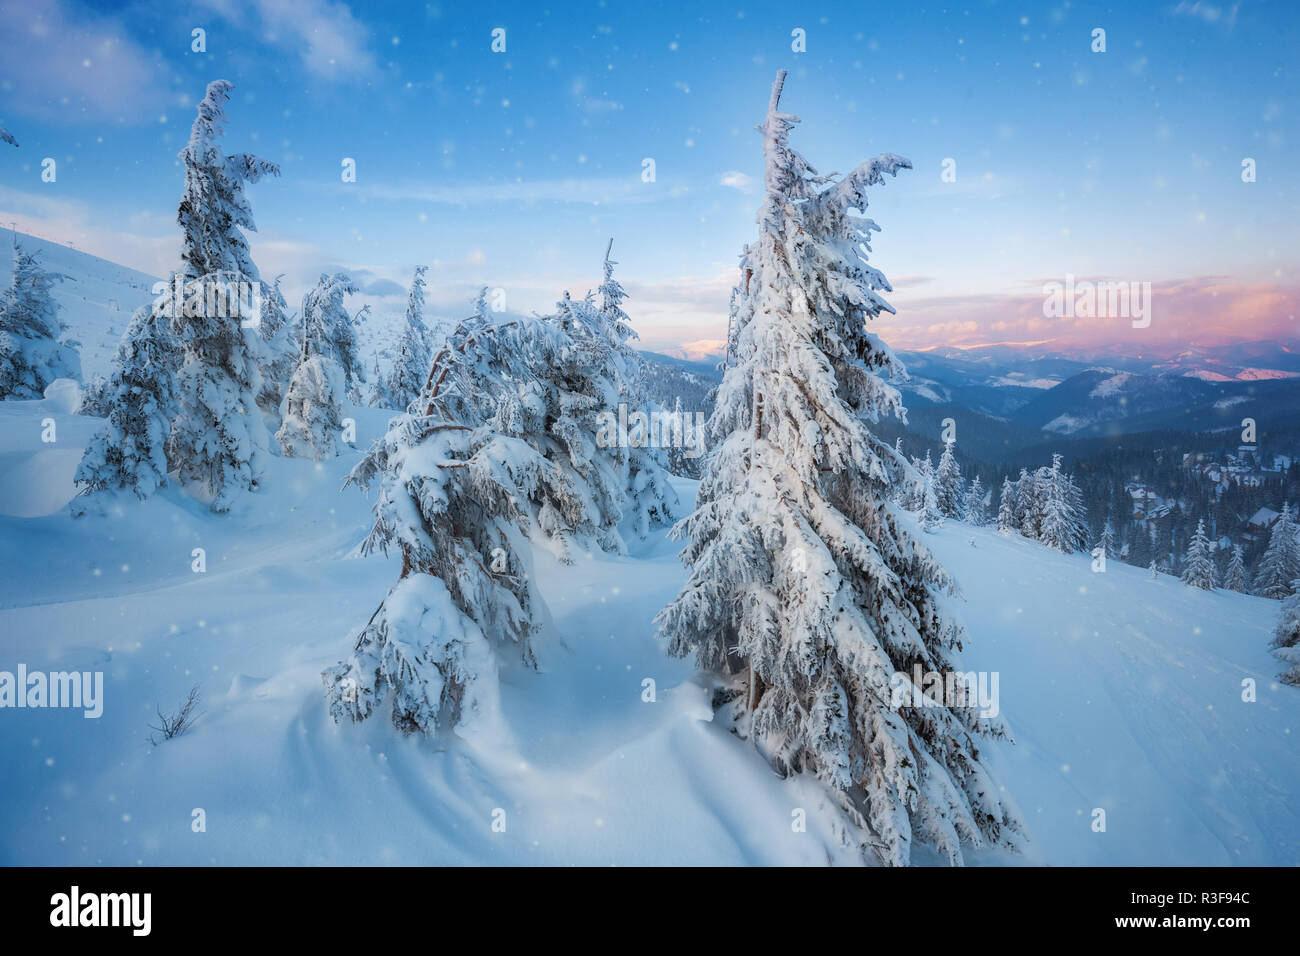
<point>1125,694</point>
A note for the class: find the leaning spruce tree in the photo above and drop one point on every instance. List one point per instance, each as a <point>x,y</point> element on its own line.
<point>218,438</point>
<point>808,590</point>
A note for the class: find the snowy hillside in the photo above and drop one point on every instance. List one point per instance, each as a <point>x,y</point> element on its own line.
<point>96,297</point>
<point>1124,694</point>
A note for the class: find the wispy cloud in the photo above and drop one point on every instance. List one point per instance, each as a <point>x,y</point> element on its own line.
<point>1225,16</point>
<point>330,41</point>
<point>67,63</point>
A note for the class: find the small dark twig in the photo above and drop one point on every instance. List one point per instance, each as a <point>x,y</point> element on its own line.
<point>173,725</point>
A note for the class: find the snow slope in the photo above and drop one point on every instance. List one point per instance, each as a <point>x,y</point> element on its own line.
<point>1124,694</point>
<point>95,298</point>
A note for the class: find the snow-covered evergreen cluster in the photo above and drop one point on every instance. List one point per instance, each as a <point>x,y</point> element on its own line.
<point>808,588</point>
<point>1045,506</point>
<point>499,445</point>
<point>33,349</point>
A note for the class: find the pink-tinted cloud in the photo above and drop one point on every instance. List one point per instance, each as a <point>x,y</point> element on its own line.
<point>1206,310</point>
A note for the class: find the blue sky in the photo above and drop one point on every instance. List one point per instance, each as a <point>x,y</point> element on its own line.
<point>513,169</point>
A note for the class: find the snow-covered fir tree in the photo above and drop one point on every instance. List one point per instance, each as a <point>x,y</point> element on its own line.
<point>218,439</point>
<point>1029,504</point>
<point>1286,638</point>
<point>927,502</point>
<point>689,463</point>
<point>130,453</point>
<point>214,209</point>
<point>1007,509</point>
<point>33,350</point>
<point>807,590</point>
<point>1107,541</point>
<point>924,479</point>
<point>453,489</point>
<point>1154,571</point>
<point>1234,578</point>
<point>313,408</point>
<point>649,497</point>
<point>577,384</point>
<point>973,508</point>
<point>412,361</point>
<point>948,485</point>
<point>1061,524</point>
<point>94,398</point>
<point>279,356</point>
<point>1199,565</point>
<point>1279,566</point>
